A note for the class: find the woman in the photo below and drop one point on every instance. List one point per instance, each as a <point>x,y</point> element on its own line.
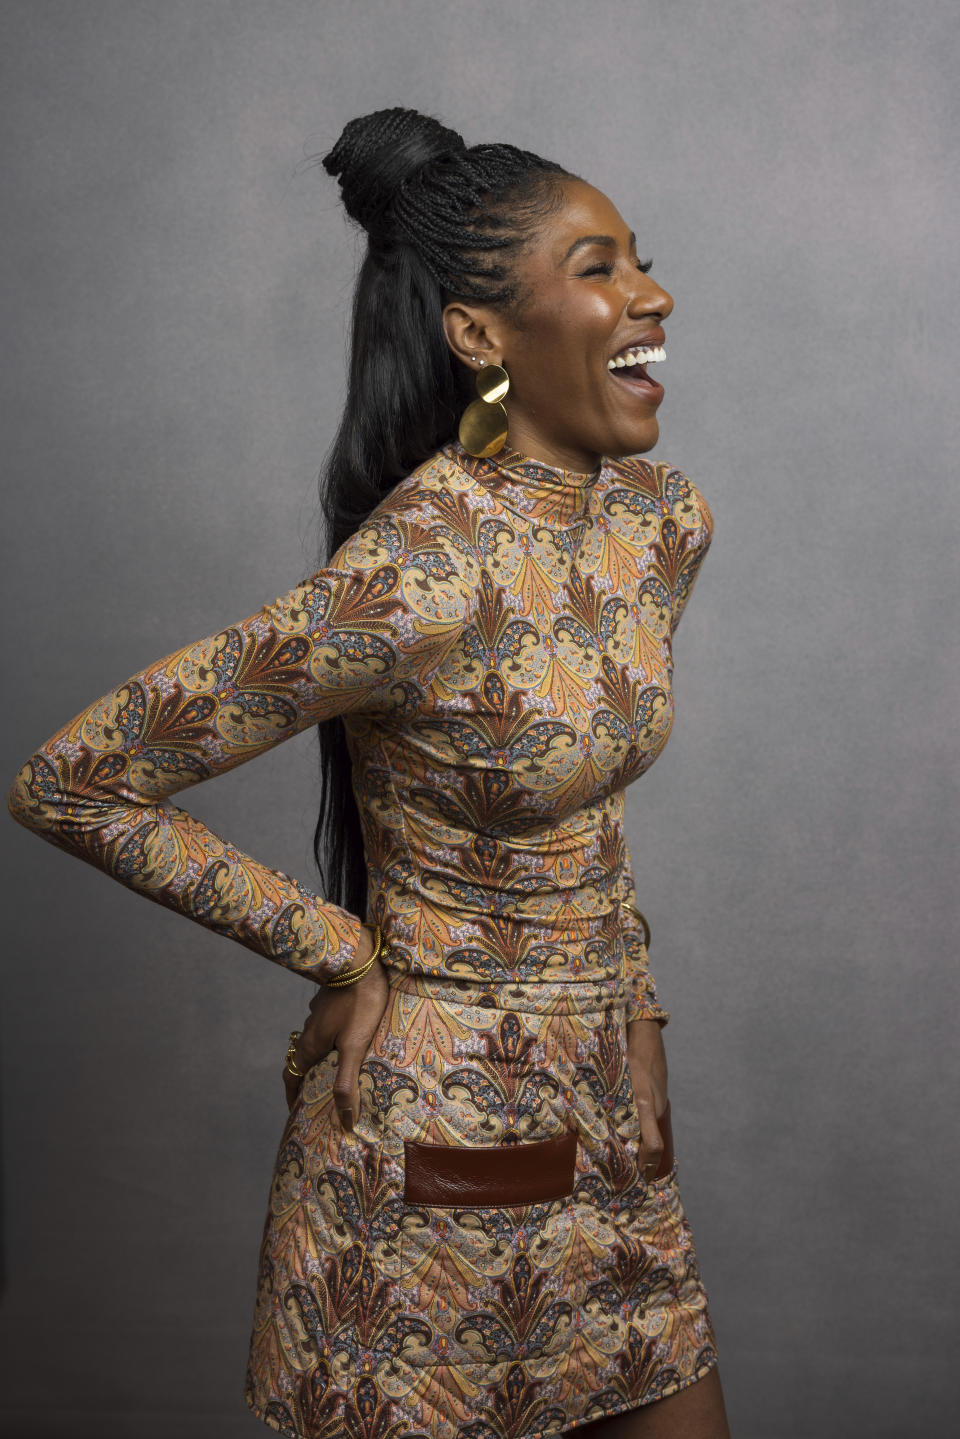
<point>474,1225</point>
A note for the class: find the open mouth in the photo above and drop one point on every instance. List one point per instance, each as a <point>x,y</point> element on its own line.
<point>629,367</point>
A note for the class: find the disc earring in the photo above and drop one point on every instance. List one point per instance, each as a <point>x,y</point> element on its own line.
<point>483,424</point>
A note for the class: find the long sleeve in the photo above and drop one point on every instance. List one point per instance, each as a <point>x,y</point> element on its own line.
<point>642,1002</point>
<point>381,615</point>
<point>686,537</point>
<point>695,521</point>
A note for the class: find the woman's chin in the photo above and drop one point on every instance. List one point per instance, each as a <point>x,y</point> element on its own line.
<point>637,442</point>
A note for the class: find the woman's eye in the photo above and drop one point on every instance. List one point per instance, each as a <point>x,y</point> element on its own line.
<point>606,267</point>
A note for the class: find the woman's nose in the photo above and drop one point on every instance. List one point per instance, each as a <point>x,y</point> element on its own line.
<point>649,298</point>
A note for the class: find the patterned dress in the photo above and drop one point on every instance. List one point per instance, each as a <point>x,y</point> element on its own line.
<point>497,638</point>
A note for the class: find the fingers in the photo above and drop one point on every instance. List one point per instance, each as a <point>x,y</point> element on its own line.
<point>291,1086</point>
<point>308,1046</point>
<point>345,1021</point>
<point>651,1142</point>
<point>294,1068</point>
<point>648,1075</point>
<point>346,1086</point>
<point>318,1036</point>
<point>359,1015</point>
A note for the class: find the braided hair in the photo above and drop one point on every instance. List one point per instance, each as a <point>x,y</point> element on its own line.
<point>444,222</point>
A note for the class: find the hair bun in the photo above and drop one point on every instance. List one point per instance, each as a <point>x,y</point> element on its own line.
<point>377,153</point>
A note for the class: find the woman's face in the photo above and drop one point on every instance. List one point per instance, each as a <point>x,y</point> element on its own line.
<point>585,302</point>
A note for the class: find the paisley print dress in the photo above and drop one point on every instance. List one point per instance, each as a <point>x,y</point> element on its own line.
<point>497,639</point>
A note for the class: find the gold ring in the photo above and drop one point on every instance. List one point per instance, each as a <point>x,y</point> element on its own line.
<point>288,1063</point>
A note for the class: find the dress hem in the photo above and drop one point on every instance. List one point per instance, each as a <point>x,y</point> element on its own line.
<point>700,1373</point>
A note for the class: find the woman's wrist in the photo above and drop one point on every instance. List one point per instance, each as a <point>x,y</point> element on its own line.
<point>366,957</point>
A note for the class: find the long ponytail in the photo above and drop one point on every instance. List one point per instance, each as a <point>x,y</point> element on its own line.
<point>444,222</point>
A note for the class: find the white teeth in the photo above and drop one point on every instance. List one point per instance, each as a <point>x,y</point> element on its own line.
<point>645,355</point>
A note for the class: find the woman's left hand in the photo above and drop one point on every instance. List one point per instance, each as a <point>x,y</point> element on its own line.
<point>345,1020</point>
<point>648,1070</point>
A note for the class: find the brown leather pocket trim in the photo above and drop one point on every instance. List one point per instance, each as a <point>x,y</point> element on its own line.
<point>500,1175</point>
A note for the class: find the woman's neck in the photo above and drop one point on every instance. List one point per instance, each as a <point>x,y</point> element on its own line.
<point>526,441</point>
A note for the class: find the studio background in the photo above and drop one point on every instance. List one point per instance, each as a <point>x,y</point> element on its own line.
<point>175,301</point>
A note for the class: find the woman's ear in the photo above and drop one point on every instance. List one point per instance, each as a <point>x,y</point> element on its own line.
<point>472,334</point>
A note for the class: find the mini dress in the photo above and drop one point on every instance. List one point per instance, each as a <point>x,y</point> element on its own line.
<point>481,1256</point>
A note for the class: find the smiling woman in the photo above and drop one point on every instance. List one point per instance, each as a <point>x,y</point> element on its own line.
<point>575,344</point>
<point>474,1226</point>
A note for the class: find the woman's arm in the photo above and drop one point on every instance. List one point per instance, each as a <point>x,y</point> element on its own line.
<point>693,515</point>
<point>645,1019</point>
<point>645,1016</point>
<point>642,1002</point>
<point>382,614</point>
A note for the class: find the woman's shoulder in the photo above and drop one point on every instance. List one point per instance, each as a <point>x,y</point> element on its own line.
<point>438,499</point>
<point>670,488</point>
<point>419,541</point>
<point>428,489</point>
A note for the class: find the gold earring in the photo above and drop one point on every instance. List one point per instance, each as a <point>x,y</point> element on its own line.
<point>483,424</point>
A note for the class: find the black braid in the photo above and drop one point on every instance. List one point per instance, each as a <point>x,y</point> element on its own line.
<point>407,179</point>
<point>444,222</point>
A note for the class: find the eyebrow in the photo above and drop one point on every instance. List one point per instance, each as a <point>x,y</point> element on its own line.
<point>606,240</point>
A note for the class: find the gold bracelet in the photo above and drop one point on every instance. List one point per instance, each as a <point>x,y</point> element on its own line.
<point>632,908</point>
<point>341,981</point>
<point>351,976</point>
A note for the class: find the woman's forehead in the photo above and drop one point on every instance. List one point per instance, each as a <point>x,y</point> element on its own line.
<point>586,215</point>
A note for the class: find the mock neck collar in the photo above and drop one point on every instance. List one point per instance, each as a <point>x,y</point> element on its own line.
<point>530,486</point>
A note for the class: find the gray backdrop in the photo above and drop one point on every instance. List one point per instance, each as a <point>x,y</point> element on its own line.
<point>175,306</point>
